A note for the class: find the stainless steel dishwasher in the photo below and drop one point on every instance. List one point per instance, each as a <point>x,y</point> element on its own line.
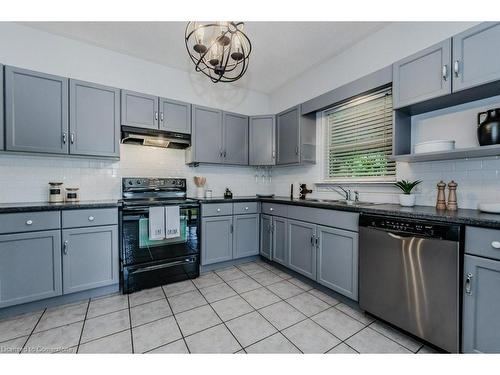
<point>409,274</point>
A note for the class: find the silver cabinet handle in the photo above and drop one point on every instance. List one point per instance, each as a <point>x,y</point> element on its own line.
<point>64,137</point>
<point>72,138</point>
<point>246,208</point>
<point>161,116</point>
<point>156,115</point>
<point>220,153</point>
<point>218,210</point>
<point>456,68</point>
<point>65,248</point>
<point>445,72</point>
<point>296,150</point>
<point>468,284</point>
<point>231,228</point>
<point>271,209</point>
<point>312,240</point>
<point>29,222</point>
<point>224,153</point>
<point>91,218</point>
<point>273,154</point>
<point>495,244</point>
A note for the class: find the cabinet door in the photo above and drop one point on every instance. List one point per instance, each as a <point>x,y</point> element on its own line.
<point>245,235</point>
<point>235,141</point>
<point>207,134</point>
<point>94,119</point>
<point>261,142</point>
<point>476,56</point>
<point>280,249</point>
<point>422,76</point>
<point>30,267</point>
<point>36,111</point>
<point>301,248</point>
<point>216,239</point>
<point>266,238</point>
<point>481,307</point>
<point>338,260</point>
<point>139,110</point>
<point>2,128</point>
<point>175,116</point>
<point>90,258</point>
<point>288,134</point>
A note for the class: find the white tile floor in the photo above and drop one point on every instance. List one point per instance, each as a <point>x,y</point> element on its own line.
<point>253,307</point>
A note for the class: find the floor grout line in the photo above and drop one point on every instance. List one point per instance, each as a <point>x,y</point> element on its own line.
<point>176,322</point>
<point>33,330</point>
<point>130,324</point>
<point>83,326</point>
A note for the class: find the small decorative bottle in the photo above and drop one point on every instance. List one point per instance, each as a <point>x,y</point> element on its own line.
<point>441,198</point>
<point>452,196</point>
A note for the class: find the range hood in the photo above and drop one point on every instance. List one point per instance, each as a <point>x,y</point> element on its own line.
<point>155,138</point>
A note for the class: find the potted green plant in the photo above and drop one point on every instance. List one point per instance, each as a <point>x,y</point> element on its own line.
<point>407,199</point>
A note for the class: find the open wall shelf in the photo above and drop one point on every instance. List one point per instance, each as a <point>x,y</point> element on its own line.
<point>460,153</point>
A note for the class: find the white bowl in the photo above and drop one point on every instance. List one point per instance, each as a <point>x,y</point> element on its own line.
<point>493,208</point>
<point>434,146</point>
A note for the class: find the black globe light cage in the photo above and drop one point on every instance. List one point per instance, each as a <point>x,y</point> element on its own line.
<point>219,50</point>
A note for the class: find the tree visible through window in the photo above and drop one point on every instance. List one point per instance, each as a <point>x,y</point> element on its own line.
<point>359,139</point>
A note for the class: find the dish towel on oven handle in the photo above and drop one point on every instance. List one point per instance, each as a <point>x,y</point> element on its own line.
<point>172,221</point>
<point>156,223</point>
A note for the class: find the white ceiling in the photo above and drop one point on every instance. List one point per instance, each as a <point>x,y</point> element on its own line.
<point>280,50</point>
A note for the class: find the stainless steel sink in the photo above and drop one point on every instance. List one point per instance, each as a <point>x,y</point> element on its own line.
<point>340,201</point>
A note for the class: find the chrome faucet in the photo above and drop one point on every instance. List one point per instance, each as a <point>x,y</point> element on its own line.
<point>347,193</point>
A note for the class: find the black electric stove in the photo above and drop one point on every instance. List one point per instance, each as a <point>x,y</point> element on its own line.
<point>148,263</point>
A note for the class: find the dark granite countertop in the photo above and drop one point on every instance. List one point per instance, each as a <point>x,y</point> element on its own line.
<point>47,206</point>
<point>461,216</point>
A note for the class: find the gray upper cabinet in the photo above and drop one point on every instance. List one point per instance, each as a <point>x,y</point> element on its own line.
<point>207,135</point>
<point>245,235</point>
<point>288,133</point>
<point>36,111</point>
<point>216,239</point>
<point>422,76</point>
<point>175,116</point>
<point>30,267</point>
<point>139,110</point>
<point>338,260</point>
<point>280,240</point>
<point>481,305</point>
<point>2,128</point>
<point>301,248</point>
<point>476,56</point>
<point>262,144</point>
<point>296,137</point>
<point>235,138</point>
<point>94,119</point>
<point>266,238</point>
<point>90,258</point>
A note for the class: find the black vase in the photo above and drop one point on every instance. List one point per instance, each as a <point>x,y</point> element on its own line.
<point>488,131</point>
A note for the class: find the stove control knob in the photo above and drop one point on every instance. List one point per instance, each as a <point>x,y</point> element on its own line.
<point>130,183</point>
<point>138,182</point>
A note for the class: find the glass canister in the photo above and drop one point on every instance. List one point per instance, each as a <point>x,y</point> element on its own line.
<point>72,194</point>
<point>56,192</point>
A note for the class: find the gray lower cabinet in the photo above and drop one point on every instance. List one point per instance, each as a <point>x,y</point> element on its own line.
<point>139,110</point>
<point>206,145</point>
<point>94,119</point>
<point>216,239</point>
<point>266,237</point>
<point>422,76</point>
<point>175,116</point>
<point>481,305</point>
<point>280,240</point>
<point>235,139</point>
<point>245,235</point>
<point>261,142</point>
<point>36,112</point>
<point>476,58</point>
<point>90,258</point>
<point>337,264</point>
<point>2,125</point>
<point>301,248</point>
<point>30,267</point>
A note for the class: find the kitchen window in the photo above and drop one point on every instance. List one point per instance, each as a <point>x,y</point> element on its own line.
<point>359,140</point>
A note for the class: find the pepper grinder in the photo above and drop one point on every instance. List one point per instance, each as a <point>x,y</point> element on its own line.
<point>452,196</point>
<point>441,198</point>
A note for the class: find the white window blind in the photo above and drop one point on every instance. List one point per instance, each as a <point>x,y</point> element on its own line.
<point>359,139</point>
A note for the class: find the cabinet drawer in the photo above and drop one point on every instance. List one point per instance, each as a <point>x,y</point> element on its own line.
<point>331,218</point>
<point>29,221</point>
<point>216,209</point>
<point>274,209</point>
<point>89,218</point>
<point>245,208</point>
<point>482,242</point>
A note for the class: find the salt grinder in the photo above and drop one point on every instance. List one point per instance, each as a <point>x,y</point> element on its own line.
<point>452,196</point>
<point>441,198</point>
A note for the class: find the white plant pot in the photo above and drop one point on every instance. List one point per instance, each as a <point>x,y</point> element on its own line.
<point>407,200</point>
